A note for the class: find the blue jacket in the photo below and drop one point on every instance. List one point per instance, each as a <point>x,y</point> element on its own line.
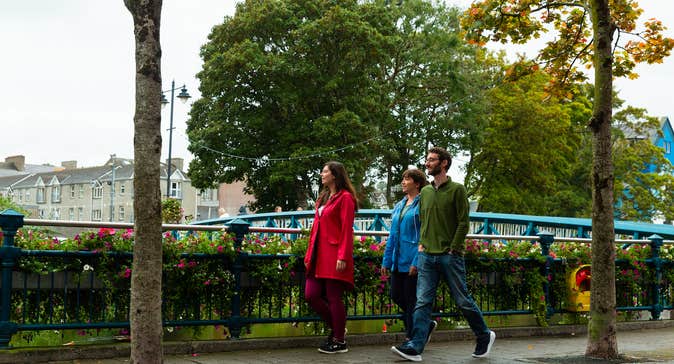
<point>402,244</point>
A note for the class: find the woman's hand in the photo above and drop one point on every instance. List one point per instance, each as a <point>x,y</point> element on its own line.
<point>341,265</point>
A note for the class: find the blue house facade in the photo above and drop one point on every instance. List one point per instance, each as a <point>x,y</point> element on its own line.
<point>665,140</point>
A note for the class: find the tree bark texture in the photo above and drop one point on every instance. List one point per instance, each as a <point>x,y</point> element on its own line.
<point>602,341</point>
<point>146,313</point>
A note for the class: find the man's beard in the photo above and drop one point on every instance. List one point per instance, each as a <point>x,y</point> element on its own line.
<point>435,170</point>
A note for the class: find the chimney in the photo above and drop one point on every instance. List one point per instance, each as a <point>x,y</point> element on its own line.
<point>18,161</point>
<point>69,164</point>
<point>176,163</point>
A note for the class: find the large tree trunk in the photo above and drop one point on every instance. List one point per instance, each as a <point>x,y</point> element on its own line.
<point>602,342</point>
<point>146,314</point>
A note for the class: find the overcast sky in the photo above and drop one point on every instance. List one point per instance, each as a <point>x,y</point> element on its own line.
<point>67,73</point>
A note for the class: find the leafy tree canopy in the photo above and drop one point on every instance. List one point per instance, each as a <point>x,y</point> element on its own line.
<point>286,85</point>
<point>528,149</point>
<point>520,21</point>
<point>290,84</point>
<point>6,203</point>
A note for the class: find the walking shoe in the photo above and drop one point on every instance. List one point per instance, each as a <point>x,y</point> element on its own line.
<point>484,344</point>
<point>434,324</point>
<point>331,336</point>
<point>406,353</point>
<point>333,347</point>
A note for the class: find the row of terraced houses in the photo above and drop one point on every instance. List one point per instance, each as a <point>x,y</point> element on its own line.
<point>105,192</point>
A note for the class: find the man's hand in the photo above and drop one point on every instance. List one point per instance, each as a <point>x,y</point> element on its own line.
<point>413,271</point>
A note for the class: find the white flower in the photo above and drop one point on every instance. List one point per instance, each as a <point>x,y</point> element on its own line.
<point>87,267</point>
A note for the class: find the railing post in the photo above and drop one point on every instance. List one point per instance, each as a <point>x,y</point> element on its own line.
<point>10,222</point>
<point>240,228</point>
<point>546,239</point>
<point>656,244</point>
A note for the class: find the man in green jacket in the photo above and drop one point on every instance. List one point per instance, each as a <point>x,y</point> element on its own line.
<point>443,209</point>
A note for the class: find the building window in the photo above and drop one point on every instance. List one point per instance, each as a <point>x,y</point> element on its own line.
<point>80,213</point>
<point>41,213</point>
<point>122,189</point>
<point>71,214</point>
<point>55,213</point>
<point>668,147</point>
<point>121,213</point>
<point>20,195</point>
<point>207,195</point>
<point>175,190</point>
<point>27,196</point>
<point>98,192</point>
<point>39,197</point>
<point>56,194</point>
<point>96,215</point>
<point>80,193</point>
<point>72,191</point>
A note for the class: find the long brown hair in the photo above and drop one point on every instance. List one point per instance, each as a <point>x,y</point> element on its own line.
<point>342,182</point>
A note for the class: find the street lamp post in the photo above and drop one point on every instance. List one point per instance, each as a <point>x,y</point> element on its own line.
<point>112,187</point>
<point>183,96</point>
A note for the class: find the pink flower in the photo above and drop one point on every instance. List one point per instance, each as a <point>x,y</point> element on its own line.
<point>221,248</point>
<point>128,234</point>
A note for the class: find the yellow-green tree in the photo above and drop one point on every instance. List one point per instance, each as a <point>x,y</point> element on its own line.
<point>605,35</point>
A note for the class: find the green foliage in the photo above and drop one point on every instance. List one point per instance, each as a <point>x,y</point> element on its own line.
<point>309,78</point>
<point>171,211</point>
<point>283,79</point>
<point>644,176</point>
<point>197,269</point>
<point>6,203</point>
<point>434,87</point>
<point>528,148</point>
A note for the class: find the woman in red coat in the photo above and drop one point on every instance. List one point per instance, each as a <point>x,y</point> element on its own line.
<point>329,258</point>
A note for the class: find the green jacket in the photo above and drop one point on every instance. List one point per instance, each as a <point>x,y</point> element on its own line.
<point>444,218</point>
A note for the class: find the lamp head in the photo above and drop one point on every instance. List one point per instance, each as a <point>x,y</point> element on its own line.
<point>183,95</point>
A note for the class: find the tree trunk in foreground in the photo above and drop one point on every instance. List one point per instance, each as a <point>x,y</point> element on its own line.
<point>602,341</point>
<point>146,314</point>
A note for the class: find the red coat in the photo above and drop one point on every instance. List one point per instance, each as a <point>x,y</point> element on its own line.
<point>332,235</point>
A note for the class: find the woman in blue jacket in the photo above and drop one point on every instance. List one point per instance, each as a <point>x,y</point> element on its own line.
<point>400,255</point>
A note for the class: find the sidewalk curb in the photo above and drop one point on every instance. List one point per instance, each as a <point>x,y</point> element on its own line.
<point>46,354</point>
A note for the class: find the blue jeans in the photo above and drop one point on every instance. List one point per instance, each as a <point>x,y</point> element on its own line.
<point>452,269</point>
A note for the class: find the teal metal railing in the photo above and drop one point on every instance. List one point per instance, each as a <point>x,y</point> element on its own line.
<point>74,298</point>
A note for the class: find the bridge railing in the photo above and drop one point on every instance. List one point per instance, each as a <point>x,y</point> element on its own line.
<point>480,223</point>
<point>90,290</point>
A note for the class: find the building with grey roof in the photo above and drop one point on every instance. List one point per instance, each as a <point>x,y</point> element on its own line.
<point>101,193</point>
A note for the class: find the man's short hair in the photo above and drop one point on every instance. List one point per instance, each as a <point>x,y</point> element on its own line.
<point>443,154</point>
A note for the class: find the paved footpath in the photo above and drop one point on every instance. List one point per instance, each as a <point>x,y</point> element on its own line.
<point>642,346</point>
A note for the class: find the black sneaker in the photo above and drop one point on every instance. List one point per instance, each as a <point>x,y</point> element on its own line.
<point>484,344</point>
<point>406,353</point>
<point>333,347</point>
<point>434,324</point>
